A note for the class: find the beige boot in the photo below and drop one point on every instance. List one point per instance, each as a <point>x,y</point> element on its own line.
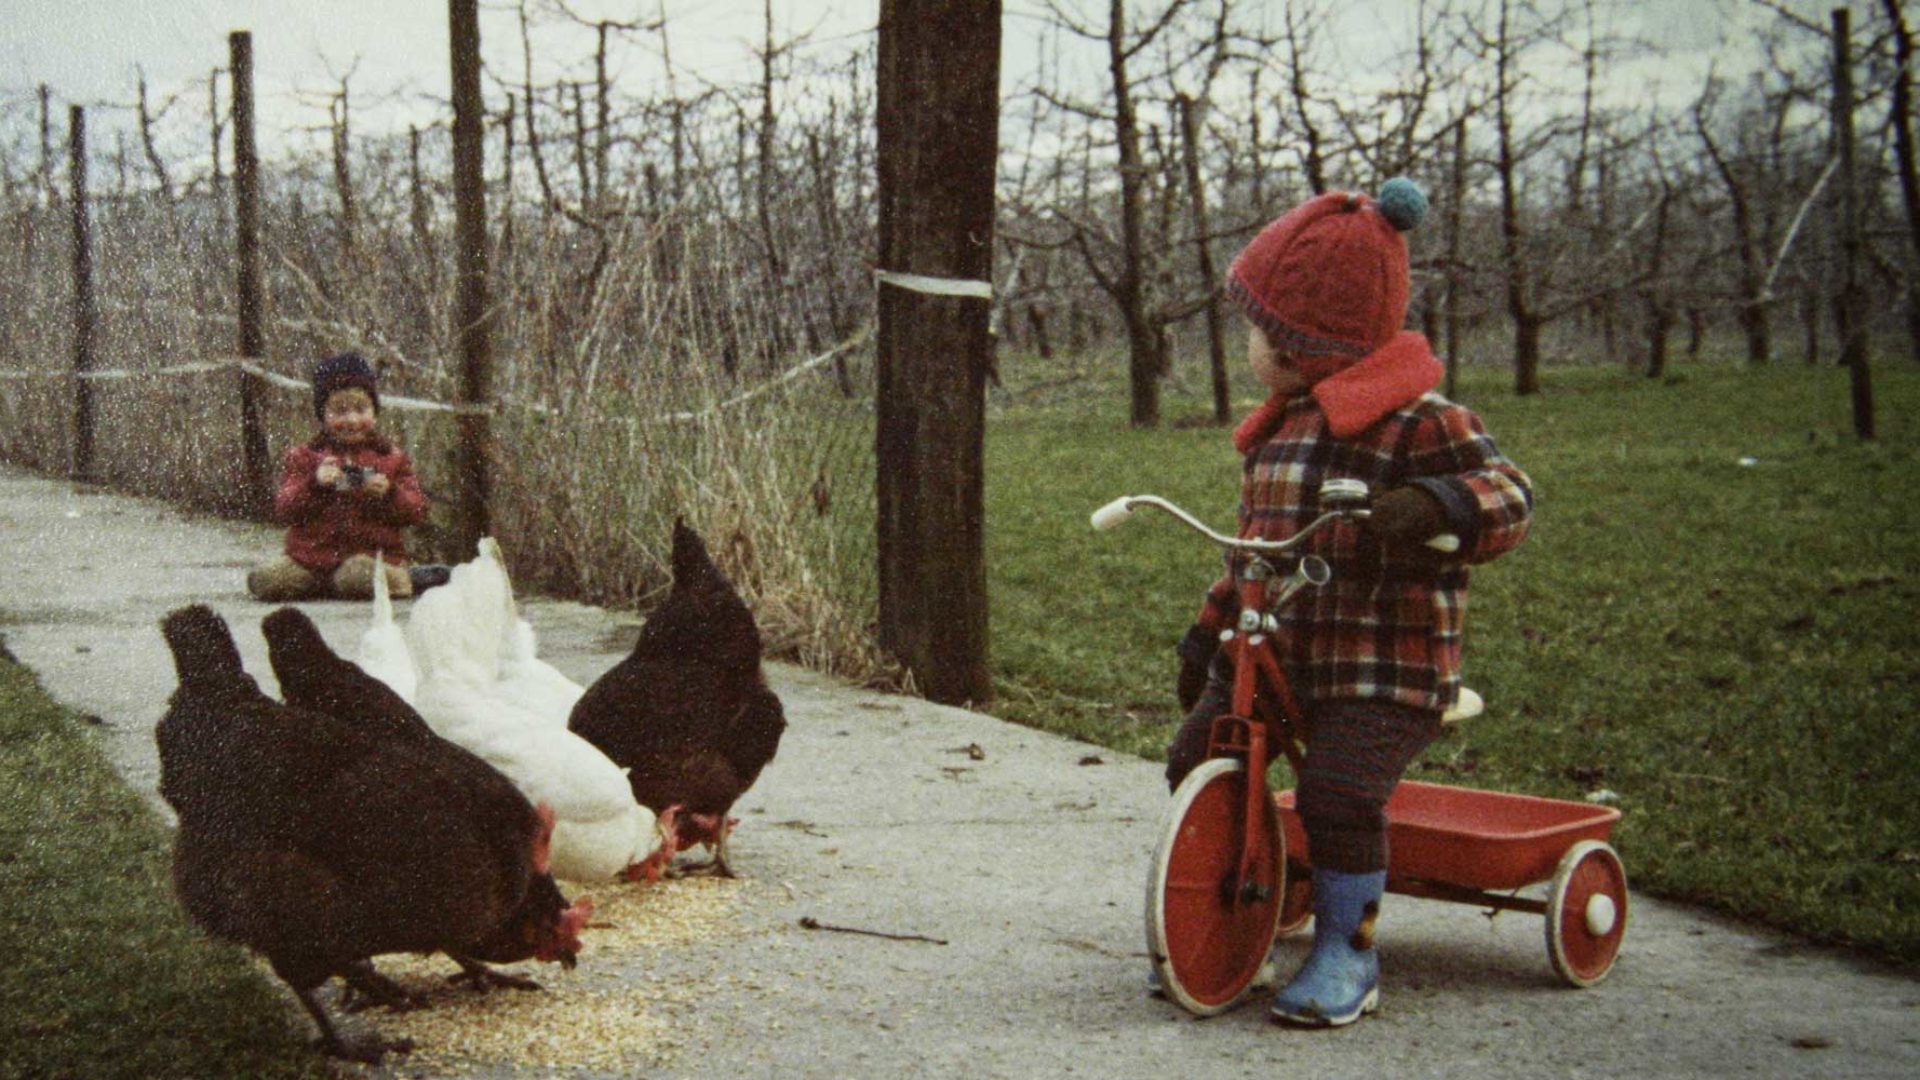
<point>354,579</point>
<point>283,580</point>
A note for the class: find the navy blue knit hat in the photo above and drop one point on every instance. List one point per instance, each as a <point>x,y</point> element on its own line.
<point>342,372</point>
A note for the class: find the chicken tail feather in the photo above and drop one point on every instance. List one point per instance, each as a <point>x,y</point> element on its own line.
<point>382,594</point>
<point>292,637</point>
<point>204,654</point>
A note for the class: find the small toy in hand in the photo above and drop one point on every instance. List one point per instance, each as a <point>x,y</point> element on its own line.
<point>354,476</point>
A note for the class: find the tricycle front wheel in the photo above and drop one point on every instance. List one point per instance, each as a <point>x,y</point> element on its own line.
<point>1586,912</point>
<point>1208,933</point>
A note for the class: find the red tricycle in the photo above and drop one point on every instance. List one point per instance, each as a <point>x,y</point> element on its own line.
<point>1231,871</point>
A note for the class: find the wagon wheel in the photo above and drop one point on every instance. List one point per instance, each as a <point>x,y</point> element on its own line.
<point>1296,905</point>
<point>1586,912</point>
<point>1207,937</point>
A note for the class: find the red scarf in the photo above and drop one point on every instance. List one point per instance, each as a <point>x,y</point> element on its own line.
<point>1356,397</point>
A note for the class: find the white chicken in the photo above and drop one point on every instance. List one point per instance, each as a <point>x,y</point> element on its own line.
<point>525,679</point>
<point>478,688</point>
<point>383,647</point>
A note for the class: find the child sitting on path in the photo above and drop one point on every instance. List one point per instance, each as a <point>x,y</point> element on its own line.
<point>345,497</point>
<point>1373,656</point>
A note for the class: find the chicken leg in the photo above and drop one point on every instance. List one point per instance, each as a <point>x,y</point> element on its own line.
<point>368,1050</point>
<point>366,988</point>
<point>484,978</point>
<point>716,866</point>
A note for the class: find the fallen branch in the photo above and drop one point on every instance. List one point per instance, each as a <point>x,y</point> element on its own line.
<point>810,923</point>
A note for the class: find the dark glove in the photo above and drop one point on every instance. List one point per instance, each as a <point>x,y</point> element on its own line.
<point>1405,518</point>
<point>1196,655</point>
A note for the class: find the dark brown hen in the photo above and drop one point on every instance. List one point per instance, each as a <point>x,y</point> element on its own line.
<point>312,676</point>
<point>688,712</point>
<point>320,842</point>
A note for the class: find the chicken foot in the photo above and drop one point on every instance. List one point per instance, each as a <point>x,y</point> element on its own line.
<point>716,866</point>
<point>367,1050</point>
<point>484,978</point>
<point>366,988</point>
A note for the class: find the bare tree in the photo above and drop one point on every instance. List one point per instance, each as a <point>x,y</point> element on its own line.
<point>1853,321</point>
<point>1747,241</point>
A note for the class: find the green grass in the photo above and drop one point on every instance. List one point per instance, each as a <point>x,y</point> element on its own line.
<point>1733,649</point>
<point>104,976</point>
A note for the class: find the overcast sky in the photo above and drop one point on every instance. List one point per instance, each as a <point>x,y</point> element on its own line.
<point>87,50</point>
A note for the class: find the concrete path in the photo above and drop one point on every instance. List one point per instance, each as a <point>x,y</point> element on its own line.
<point>1024,860</point>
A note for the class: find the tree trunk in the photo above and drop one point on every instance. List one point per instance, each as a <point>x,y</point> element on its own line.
<point>216,127</point>
<point>1037,321</point>
<point>1659,306</point>
<point>50,192</point>
<point>1456,211</point>
<point>343,178</point>
<point>1753,311</point>
<point>1853,343</point>
<point>1311,158</point>
<point>937,122</point>
<point>1810,325</point>
<point>473,319</point>
<point>1526,324</point>
<point>1145,364</point>
<point>603,121</point>
<point>1203,254</point>
<point>1904,165</point>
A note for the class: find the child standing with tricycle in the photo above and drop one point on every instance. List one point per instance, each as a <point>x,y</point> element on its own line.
<point>1373,655</point>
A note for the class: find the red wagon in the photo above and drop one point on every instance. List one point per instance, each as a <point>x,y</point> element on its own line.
<point>1479,847</point>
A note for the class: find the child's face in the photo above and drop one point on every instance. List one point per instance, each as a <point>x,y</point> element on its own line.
<point>1271,366</point>
<point>350,417</point>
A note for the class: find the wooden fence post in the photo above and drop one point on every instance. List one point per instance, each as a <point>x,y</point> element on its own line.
<point>473,317</point>
<point>937,136</point>
<point>85,316</point>
<point>256,499</point>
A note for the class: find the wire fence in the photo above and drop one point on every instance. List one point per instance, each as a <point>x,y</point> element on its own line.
<point>682,386</point>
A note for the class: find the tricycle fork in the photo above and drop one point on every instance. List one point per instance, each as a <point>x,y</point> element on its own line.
<point>1235,735</point>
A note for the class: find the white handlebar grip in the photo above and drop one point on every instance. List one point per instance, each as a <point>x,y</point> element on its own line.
<point>1113,513</point>
<point>1446,543</point>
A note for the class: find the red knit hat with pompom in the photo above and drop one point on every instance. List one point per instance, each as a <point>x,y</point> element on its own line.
<point>1327,282</point>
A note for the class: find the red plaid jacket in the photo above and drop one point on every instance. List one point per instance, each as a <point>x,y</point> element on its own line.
<point>325,527</point>
<point>1384,627</point>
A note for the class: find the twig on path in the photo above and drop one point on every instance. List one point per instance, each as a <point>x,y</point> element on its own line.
<point>810,923</point>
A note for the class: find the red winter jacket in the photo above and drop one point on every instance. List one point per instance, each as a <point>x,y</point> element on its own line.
<point>326,527</point>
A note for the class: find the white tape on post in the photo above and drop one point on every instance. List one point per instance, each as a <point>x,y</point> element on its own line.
<point>935,286</point>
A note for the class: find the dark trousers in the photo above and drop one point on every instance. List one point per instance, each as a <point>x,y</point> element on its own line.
<point>1357,750</point>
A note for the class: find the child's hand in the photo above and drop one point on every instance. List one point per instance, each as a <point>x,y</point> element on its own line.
<point>376,485</point>
<point>328,474</point>
<point>1406,518</point>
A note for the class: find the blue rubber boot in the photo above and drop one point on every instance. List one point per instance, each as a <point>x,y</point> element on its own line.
<point>1340,982</point>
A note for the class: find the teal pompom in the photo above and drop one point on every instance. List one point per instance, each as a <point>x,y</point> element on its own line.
<point>1402,203</point>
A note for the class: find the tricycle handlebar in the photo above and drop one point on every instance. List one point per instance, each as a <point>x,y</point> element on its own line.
<point>1346,497</point>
